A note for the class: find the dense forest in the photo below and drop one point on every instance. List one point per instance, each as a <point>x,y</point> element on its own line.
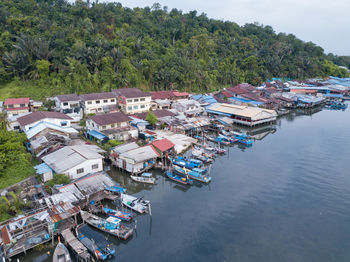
<point>53,46</point>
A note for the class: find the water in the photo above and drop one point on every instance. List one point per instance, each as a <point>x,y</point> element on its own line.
<point>287,198</point>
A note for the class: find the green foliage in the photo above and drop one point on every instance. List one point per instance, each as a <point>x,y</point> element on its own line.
<point>11,207</point>
<point>60,47</point>
<point>151,118</point>
<point>15,164</point>
<point>115,142</point>
<point>58,179</point>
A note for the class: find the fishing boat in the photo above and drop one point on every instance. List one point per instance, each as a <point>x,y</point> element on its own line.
<point>135,203</point>
<point>228,139</point>
<point>61,253</point>
<point>188,163</point>
<point>111,225</point>
<point>118,214</point>
<point>177,178</point>
<point>144,178</point>
<point>94,242</point>
<point>243,139</point>
<point>199,175</point>
<point>219,150</point>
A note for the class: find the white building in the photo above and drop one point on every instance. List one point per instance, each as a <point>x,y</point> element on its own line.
<point>98,103</point>
<point>133,100</point>
<point>188,107</point>
<point>76,161</point>
<point>69,104</point>
<point>28,121</point>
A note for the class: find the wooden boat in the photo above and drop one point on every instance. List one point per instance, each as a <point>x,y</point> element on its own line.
<point>94,242</point>
<point>144,178</point>
<point>135,203</point>
<point>195,173</point>
<point>118,214</point>
<point>61,253</point>
<point>177,178</point>
<point>188,163</point>
<point>111,225</point>
<point>243,139</point>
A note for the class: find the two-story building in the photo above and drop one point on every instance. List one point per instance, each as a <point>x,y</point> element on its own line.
<point>188,107</point>
<point>28,121</point>
<point>133,100</point>
<point>69,104</point>
<point>16,106</point>
<point>113,125</point>
<point>98,103</point>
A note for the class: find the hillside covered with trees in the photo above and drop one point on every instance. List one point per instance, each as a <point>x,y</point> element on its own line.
<point>52,46</point>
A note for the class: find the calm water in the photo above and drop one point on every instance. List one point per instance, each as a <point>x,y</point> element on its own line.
<point>287,198</point>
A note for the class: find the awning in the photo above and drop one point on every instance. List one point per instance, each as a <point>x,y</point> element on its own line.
<point>96,134</point>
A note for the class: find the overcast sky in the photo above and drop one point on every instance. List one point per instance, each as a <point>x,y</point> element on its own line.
<point>324,22</point>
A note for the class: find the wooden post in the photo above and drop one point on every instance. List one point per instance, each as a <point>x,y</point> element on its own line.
<point>149,208</point>
<point>52,240</point>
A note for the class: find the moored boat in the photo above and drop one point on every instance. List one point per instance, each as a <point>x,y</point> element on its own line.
<point>95,243</point>
<point>199,174</point>
<point>243,139</point>
<point>137,204</point>
<point>126,216</point>
<point>61,253</point>
<point>111,225</point>
<point>144,178</point>
<point>177,178</point>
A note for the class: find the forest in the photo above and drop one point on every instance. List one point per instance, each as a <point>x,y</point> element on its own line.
<point>49,47</point>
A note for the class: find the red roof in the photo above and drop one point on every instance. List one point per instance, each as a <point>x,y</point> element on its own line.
<point>226,94</point>
<point>162,95</point>
<point>163,144</point>
<point>12,101</point>
<point>176,93</point>
<point>5,235</point>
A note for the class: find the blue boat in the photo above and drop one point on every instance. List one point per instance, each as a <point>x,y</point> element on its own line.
<point>243,139</point>
<point>94,242</point>
<point>126,216</point>
<point>177,178</point>
<point>199,174</point>
<point>115,189</point>
<point>187,163</point>
<point>336,105</point>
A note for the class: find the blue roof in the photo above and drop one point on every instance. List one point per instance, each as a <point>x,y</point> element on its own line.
<point>196,97</point>
<point>96,134</point>
<point>147,174</point>
<point>216,112</point>
<point>333,95</point>
<point>42,168</point>
<point>246,101</point>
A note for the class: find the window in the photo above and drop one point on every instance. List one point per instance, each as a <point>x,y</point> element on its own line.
<point>136,107</point>
<point>95,166</point>
<point>129,100</point>
<point>142,106</point>
<point>136,100</point>
<point>65,103</point>
<point>112,100</point>
<point>97,101</point>
<point>105,101</point>
<point>64,123</point>
<point>129,108</point>
<point>89,102</point>
<point>103,127</point>
<point>99,109</point>
<point>22,105</point>
<point>112,125</point>
<point>93,124</point>
<point>16,127</point>
<point>142,99</point>
<point>80,170</point>
<point>10,106</point>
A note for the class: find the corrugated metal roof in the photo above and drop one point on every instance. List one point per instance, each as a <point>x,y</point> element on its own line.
<point>124,148</point>
<point>42,168</point>
<point>140,154</point>
<point>71,156</point>
<point>12,101</point>
<point>43,125</point>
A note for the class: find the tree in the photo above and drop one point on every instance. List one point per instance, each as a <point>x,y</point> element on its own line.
<point>151,118</point>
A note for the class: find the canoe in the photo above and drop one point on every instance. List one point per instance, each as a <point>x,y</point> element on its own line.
<point>117,213</point>
<point>144,178</point>
<point>135,203</point>
<point>61,254</point>
<point>111,225</point>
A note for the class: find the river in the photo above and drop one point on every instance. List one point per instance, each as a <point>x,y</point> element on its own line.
<point>287,198</point>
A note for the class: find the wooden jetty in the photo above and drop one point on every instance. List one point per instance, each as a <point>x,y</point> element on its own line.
<point>79,249</point>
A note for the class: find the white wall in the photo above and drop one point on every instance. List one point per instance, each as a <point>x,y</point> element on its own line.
<point>87,165</point>
<point>55,121</point>
<point>97,107</point>
<point>135,104</point>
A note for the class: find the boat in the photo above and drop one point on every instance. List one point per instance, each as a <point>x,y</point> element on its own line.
<point>61,253</point>
<point>188,163</point>
<point>115,189</point>
<point>243,139</point>
<point>111,225</point>
<point>144,178</point>
<point>219,150</point>
<point>199,174</point>
<point>177,178</point>
<point>94,242</point>
<point>135,203</point>
<point>118,214</point>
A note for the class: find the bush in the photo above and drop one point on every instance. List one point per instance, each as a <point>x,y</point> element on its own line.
<point>58,179</point>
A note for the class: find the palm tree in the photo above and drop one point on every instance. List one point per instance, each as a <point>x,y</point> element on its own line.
<point>4,123</point>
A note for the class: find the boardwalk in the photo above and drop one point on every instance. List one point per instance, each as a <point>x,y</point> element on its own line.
<point>76,245</point>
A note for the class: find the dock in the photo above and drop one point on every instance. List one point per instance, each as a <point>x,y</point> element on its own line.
<point>79,249</point>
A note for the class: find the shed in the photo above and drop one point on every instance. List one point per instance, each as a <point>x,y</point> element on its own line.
<point>163,146</point>
<point>44,171</point>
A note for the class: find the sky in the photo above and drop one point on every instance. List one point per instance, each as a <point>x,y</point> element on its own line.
<point>324,22</point>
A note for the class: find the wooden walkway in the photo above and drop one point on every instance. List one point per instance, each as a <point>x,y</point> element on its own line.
<point>76,245</point>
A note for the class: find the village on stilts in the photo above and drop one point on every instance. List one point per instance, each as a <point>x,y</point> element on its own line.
<point>72,202</point>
